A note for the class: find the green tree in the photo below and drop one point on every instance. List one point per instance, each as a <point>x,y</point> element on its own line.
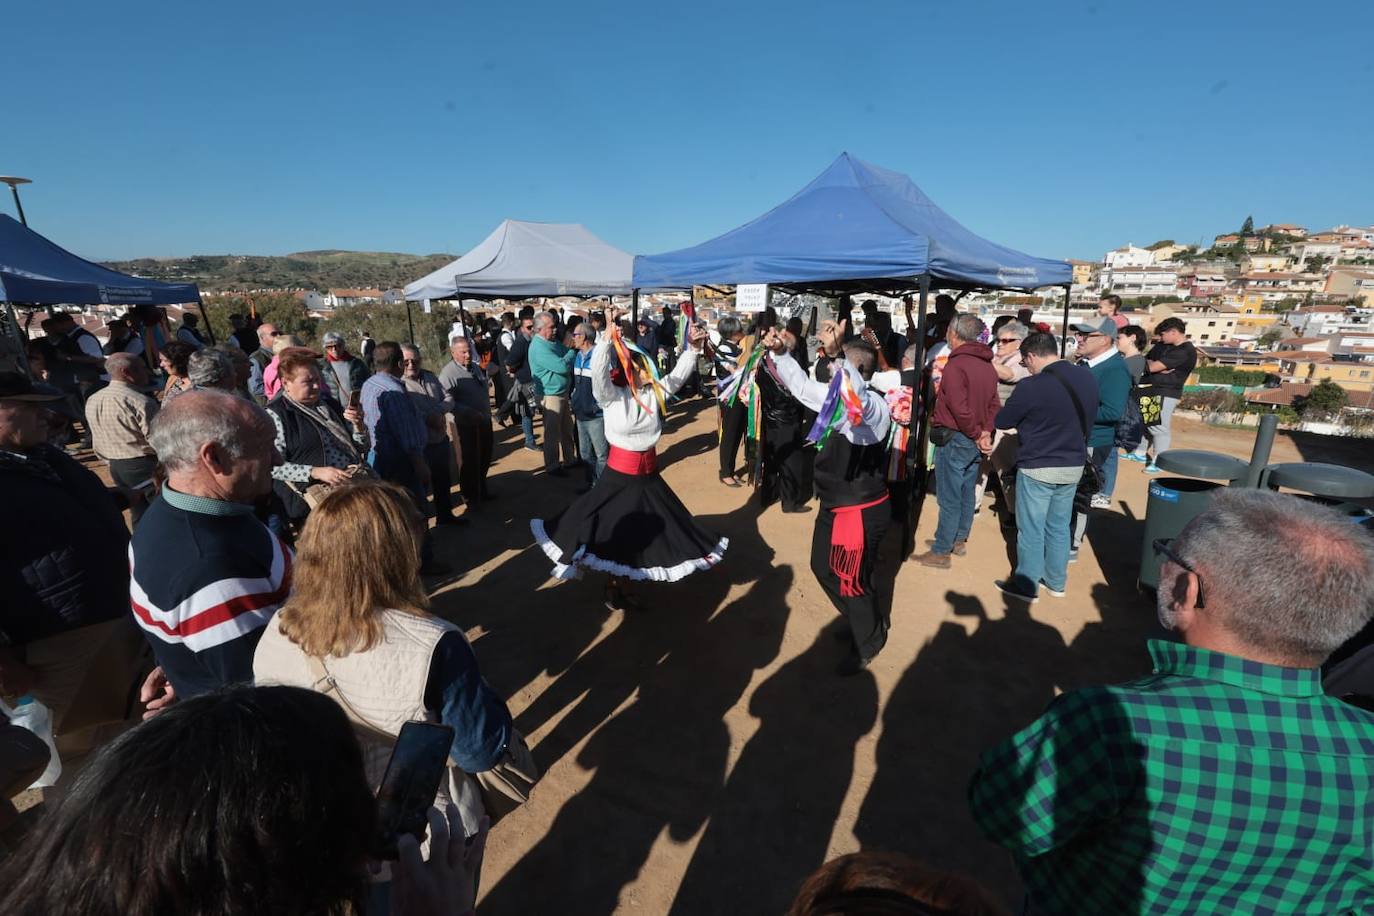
<point>1326,398</point>
<point>1247,228</point>
<point>1271,336</point>
<point>1315,263</point>
<point>284,310</point>
<point>1162,243</point>
<point>389,322</point>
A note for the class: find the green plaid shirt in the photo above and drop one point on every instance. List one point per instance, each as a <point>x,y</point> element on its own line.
<point>1216,785</point>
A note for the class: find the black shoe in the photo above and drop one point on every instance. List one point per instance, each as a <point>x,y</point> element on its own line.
<point>792,510</point>
<point>617,600</point>
<point>852,665</point>
<point>557,472</point>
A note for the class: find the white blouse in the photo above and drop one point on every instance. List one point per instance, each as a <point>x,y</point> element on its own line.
<point>628,425</point>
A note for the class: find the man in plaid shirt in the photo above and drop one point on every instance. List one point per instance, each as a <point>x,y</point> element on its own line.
<point>1227,781</point>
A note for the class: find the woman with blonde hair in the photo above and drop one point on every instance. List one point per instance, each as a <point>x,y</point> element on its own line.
<point>357,628</point>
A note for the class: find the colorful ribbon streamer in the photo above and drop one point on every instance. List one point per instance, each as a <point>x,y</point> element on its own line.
<point>841,403</point>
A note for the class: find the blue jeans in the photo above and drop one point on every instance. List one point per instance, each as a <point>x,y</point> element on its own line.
<point>1044,512</point>
<point>956,484</point>
<point>527,424</point>
<point>1109,471</point>
<point>591,440</point>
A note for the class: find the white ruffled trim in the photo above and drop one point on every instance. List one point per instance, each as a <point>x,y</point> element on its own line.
<point>581,559</point>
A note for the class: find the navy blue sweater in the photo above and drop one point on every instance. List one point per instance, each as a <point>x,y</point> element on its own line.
<point>1045,420</point>
<point>206,578</point>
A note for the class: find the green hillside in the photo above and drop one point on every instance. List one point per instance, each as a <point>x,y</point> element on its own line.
<point>302,270</point>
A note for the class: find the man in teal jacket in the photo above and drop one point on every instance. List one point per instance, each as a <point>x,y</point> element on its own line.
<point>1097,350</point>
<point>551,364</point>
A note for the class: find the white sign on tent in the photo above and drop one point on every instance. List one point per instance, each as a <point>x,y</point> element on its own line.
<point>751,297</point>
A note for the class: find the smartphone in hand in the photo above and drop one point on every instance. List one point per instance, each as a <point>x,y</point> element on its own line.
<point>355,399</point>
<point>417,764</point>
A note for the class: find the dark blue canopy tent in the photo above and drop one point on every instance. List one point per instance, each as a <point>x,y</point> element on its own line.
<point>35,271</point>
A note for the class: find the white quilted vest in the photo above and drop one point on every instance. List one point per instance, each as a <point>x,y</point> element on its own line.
<point>384,685</point>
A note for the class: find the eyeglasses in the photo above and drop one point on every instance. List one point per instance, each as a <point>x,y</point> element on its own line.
<point>411,362</point>
<point>1081,336</point>
<point>1007,340</point>
<point>1162,549</point>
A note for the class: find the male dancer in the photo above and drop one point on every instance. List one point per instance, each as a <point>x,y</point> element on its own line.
<point>851,431</point>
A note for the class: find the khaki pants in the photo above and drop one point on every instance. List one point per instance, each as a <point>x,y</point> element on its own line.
<point>558,431</point>
<point>86,676</point>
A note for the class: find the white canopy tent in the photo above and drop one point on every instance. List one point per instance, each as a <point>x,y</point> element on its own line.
<point>524,259</point>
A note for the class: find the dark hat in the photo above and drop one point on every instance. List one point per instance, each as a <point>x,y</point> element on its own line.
<point>16,386</point>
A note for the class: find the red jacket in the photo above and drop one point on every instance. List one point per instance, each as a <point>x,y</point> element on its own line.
<point>968,398</point>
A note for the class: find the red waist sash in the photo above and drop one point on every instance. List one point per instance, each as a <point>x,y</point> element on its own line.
<point>847,546</point>
<point>636,464</point>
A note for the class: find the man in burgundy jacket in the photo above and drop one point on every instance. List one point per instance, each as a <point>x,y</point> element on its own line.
<point>961,428</point>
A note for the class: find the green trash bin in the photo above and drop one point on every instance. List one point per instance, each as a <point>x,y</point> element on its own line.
<point>1176,501</point>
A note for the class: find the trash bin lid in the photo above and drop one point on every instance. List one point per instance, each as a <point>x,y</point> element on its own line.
<point>1322,479</point>
<point>1197,463</point>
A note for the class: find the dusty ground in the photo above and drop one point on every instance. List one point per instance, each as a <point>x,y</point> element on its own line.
<point>702,757</point>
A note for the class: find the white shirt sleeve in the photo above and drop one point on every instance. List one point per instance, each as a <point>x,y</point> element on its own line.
<point>686,365</point>
<point>807,390</point>
<point>602,387</point>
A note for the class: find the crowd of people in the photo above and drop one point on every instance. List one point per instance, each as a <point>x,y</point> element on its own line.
<point>268,600</point>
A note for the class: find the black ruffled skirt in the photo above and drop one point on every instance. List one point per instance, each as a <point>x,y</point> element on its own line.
<point>632,526</point>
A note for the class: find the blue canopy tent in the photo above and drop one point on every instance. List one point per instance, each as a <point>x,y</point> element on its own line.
<point>856,227</point>
<point>35,271</point>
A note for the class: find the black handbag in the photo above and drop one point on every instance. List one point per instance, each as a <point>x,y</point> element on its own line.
<point>1090,484</point>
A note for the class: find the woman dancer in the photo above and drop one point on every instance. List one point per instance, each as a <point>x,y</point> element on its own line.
<point>630,524</point>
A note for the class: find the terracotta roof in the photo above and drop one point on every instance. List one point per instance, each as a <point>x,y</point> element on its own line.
<point>1295,343</point>
<point>1288,392</point>
<point>357,293</point>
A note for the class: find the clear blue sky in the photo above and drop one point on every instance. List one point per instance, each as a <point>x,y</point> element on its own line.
<point>1059,128</point>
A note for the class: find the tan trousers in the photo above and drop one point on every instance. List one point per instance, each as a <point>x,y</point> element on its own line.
<point>86,676</point>
<point>558,431</point>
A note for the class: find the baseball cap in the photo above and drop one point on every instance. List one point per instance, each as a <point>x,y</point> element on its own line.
<point>1106,327</point>
<point>16,386</point>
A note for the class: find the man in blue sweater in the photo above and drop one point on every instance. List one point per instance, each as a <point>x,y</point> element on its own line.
<point>1097,350</point>
<point>206,575</point>
<point>1052,413</point>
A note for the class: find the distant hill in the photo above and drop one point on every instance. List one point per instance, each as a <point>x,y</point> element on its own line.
<point>302,270</point>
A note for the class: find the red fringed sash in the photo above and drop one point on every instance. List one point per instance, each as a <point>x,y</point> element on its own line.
<point>847,545</point>
<point>636,464</point>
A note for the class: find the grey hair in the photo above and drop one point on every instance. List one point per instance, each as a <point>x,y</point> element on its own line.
<point>121,362</point>
<point>204,415</point>
<point>1288,576</point>
<point>588,332</point>
<point>210,368</point>
<point>415,348</point>
<point>1015,329</point>
<point>968,327</point>
<point>543,318</point>
<point>729,326</point>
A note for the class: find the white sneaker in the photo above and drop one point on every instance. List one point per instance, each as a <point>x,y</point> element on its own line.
<point>1101,501</point>
<point>1053,591</point>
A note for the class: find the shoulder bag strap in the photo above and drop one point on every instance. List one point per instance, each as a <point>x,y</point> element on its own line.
<point>1077,404</point>
<point>326,684</point>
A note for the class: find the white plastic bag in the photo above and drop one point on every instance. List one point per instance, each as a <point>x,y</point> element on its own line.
<point>32,715</point>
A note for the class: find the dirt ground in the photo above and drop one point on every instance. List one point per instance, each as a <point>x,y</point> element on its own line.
<point>702,757</point>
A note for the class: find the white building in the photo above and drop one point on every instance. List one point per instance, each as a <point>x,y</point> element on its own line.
<point>1131,282</point>
<point>1128,255</point>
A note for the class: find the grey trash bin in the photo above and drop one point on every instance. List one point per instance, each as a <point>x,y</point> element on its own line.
<point>1176,501</point>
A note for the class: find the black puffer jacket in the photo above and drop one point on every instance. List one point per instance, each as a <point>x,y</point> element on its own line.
<point>64,548</point>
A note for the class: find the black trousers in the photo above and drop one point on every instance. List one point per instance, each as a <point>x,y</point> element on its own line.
<point>129,473</point>
<point>438,455</point>
<point>785,472</point>
<point>476,442</point>
<point>732,423</point>
<point>867,620</point>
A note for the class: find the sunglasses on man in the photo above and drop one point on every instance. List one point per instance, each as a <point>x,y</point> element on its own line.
<point>1162,549</point>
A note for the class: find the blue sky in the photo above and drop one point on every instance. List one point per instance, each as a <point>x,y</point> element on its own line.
<point>1060,128</point>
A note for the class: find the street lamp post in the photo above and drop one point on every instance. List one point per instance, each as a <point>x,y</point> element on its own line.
<point>14,182</point>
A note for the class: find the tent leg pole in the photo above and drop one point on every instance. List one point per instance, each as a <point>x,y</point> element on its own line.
<point>200,304</point>
<point>916,482</point>
<point>1064,332</point>
<point>410,322</point>
<point>634,308</point>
